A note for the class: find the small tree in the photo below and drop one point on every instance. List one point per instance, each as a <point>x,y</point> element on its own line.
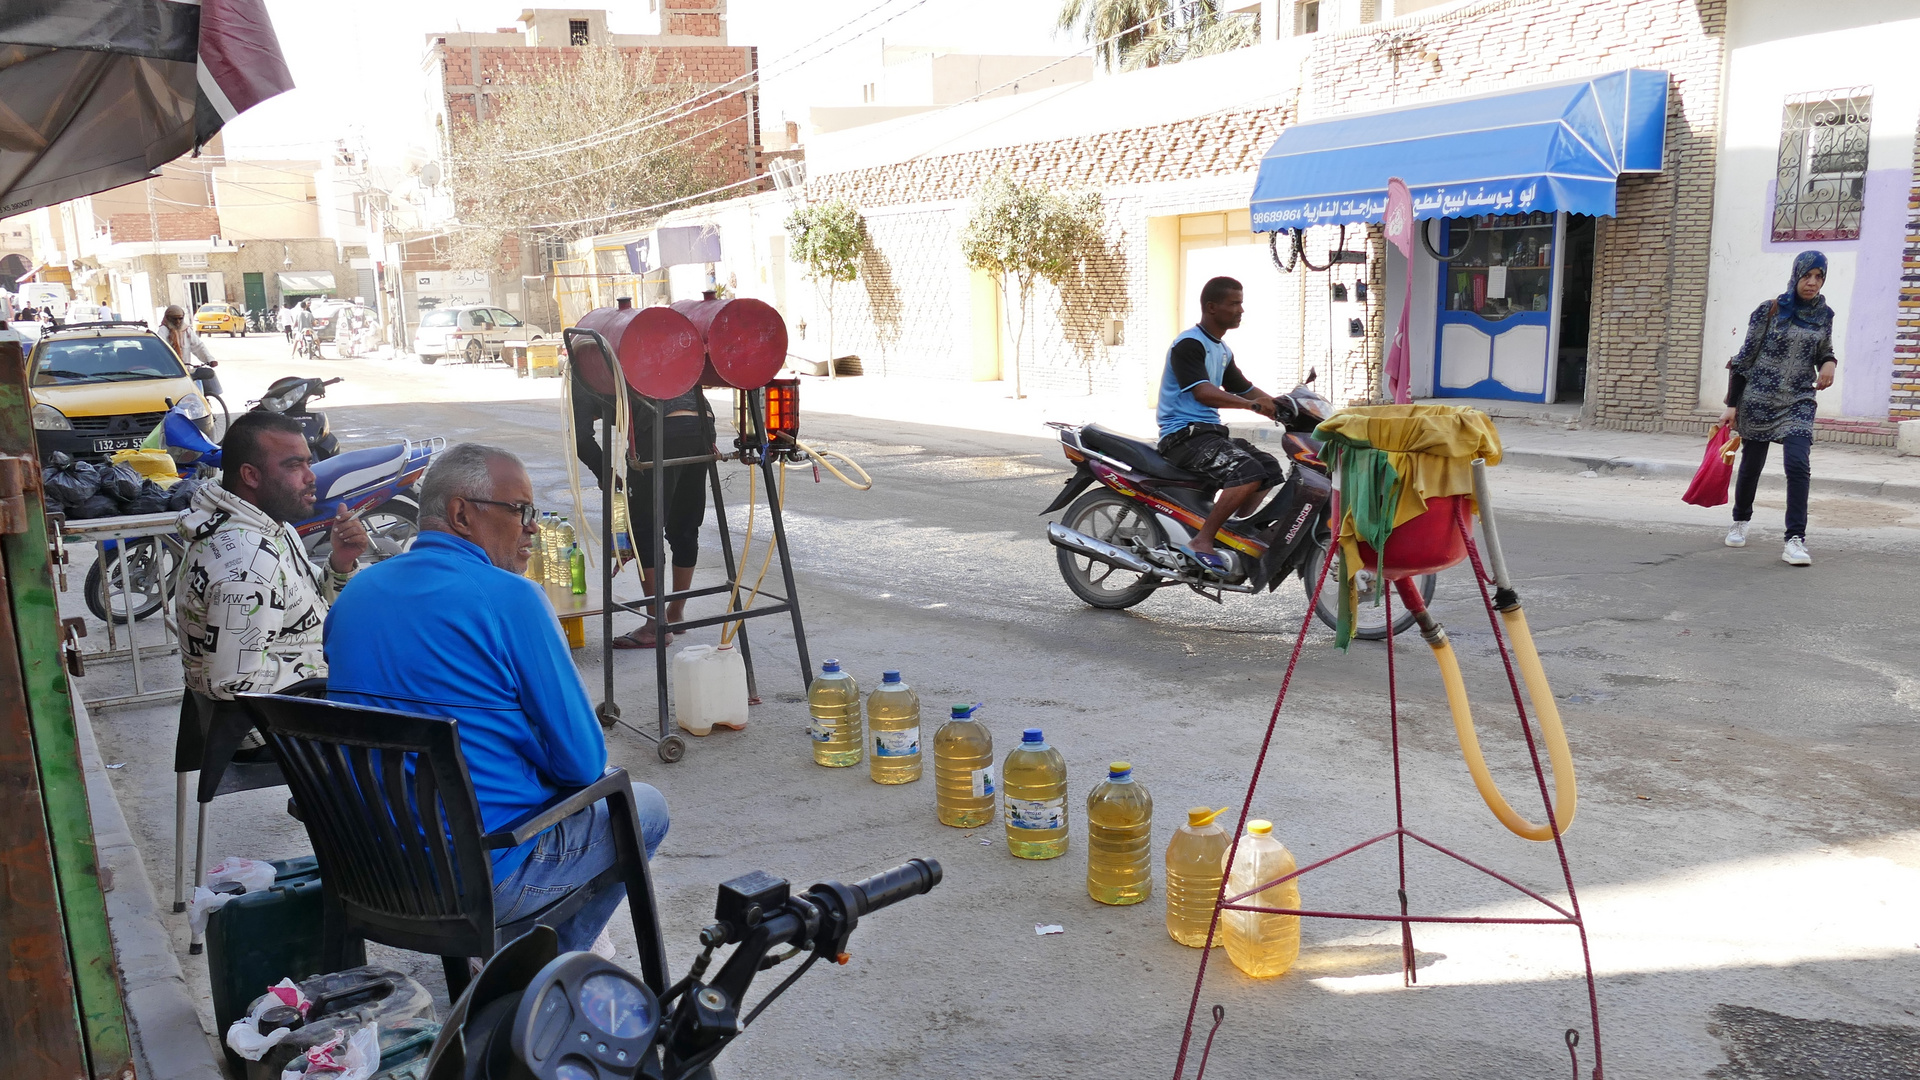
<point>828,238</point>
<point>1020,233</point>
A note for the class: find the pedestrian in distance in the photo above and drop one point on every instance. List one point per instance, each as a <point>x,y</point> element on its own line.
<point>286,323</point>
<point>1787,357</point>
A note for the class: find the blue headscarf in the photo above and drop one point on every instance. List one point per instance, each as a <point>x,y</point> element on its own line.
<point>1813,314</point>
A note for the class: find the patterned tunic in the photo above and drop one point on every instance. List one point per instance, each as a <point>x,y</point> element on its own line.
<point>1779,361</point>
<point>251,606</point>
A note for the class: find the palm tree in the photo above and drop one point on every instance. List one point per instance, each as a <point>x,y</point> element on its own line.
<point>1115,26</point>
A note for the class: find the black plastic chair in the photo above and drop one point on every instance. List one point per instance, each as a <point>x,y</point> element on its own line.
<point>209,739</point>
<point>428,887</point>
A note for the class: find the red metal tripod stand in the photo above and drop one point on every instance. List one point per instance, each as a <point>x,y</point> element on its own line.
<point>1567,914</point>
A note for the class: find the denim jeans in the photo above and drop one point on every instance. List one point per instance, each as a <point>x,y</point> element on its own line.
<point>1753,459</point>
<point>569,855</point>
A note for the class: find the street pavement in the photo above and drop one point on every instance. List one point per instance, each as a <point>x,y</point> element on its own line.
<point>1747,849</point>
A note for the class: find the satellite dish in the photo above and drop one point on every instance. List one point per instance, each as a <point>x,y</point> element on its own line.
<point>430,174</point>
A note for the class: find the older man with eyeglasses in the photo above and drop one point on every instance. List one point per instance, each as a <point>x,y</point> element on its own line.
<point>451,628</point>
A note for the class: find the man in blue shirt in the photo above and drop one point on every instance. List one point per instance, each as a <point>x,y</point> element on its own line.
<point>1200,380</point>
<point>450,628</point>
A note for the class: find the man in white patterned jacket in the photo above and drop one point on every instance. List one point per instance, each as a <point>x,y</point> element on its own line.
<point>252,606</point>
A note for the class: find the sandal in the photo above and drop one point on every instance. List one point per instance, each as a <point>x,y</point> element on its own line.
<point>1209,561</point>
<point>632,639</point>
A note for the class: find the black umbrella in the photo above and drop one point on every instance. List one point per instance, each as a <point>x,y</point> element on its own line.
<point>99,93</point>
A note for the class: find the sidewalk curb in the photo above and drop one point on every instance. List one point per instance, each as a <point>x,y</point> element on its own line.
<point>1550,460</point>
<point>168,1041</point>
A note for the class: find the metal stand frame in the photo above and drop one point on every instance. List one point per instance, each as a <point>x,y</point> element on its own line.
<point>161,529</point>
<point>670,746</point>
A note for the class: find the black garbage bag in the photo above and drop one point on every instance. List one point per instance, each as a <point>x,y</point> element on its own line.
<point>94,506</point>
<point>180,495</point>
<point>151,500</point>
<point>121,481</point>
<point>71,484</point>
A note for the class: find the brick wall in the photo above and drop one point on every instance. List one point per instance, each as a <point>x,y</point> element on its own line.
<point>196,224</point>
<point>1905,404</point>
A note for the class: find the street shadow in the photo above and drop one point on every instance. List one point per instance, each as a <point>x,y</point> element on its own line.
<point>883,296</point>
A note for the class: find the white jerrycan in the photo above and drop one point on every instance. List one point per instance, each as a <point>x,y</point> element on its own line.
<point>709,688</point>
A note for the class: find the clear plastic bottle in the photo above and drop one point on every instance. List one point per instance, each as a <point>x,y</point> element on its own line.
<point>1034,779</point>
<point>963,787</point>
<point>1259,944</point>
<point>893,731</point>
<point>559,568</point>
<point>834,700</point>
<point>1119,838</point>
<point>1196,861</point>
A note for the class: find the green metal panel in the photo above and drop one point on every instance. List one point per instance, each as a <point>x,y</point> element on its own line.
<point>36,617</point>
<point>255,286</point>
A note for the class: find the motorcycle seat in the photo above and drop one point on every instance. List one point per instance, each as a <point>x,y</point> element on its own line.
<point>356,469</point>
<point>1143,456</point>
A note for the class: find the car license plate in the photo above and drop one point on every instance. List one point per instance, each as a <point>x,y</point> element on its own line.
<point>107,446</point>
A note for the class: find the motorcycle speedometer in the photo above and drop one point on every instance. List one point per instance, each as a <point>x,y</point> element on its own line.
<point>583,1018</point>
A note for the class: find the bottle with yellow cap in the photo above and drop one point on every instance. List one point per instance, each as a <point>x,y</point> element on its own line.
<point>1196,861</point>
<point>1259,944</point>
<point>1119,838</point>
<point>1034,782</point>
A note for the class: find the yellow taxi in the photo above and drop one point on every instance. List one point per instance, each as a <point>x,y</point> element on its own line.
<point>218,318</point>
<point>103,388</point>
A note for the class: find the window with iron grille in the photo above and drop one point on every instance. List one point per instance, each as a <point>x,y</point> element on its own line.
<point>1822,166</point>
<point>576,31</point>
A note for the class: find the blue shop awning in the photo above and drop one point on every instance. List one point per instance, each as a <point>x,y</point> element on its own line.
<point>1554,147</point>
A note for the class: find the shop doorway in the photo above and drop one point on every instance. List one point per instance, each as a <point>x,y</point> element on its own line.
<point>1576,310</point>
<point>196,295</point>
<point>255,286</point>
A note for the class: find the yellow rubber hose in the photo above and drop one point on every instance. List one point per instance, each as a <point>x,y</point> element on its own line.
<point>1566,792</point>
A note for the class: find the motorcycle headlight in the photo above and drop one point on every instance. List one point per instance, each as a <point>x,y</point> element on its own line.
<point>191,407</point>
<point>48,418</point>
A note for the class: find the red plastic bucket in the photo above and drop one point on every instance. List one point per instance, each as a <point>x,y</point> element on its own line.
<point>1426,545</point>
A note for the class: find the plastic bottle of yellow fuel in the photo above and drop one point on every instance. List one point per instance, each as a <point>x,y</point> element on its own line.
<point>1196,861</point>
<point>834,700</point>
<point>893,731</point>
<point>1262,945</point>
<point>1119,838</point>
<point>537,562</point>
<point>1035,781</point>
<point>963,787</point>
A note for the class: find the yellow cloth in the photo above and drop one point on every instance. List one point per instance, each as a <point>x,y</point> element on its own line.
<point>1431,447</point>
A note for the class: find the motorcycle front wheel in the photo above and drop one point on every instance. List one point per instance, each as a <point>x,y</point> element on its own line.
<point>392,526</point>
<point>1103,515</point>
<point>150,566</point>
<point>1369,620</point>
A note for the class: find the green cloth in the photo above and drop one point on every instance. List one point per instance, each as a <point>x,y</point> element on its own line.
<point>1370,492</point>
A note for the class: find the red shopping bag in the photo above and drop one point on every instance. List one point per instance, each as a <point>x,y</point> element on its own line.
<point>1709,487</point>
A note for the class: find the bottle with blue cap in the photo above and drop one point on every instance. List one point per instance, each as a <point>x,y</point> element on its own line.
<point>1119,838</point>
<point>1035,781</point>
<point>834,700</point>
<point>963,787</point>
<point>893,731</point>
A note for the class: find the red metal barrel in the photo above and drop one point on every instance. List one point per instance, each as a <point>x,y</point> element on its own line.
<point>659,350</point>
<point>746,340</point>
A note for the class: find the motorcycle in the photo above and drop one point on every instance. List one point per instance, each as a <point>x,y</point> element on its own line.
<point>1116,540</point>
<point>306,345</point>
<point>379,484</point>
<point>289,396</point>
<point>534,1013</point>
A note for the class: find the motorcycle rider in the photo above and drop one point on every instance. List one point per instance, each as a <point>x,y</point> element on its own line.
<point>1200,380</point>
<point>302,324</point>
<point>252,607</point>
<point>182,335</point>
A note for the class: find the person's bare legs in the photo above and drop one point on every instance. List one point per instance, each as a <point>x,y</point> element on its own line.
<point>1224,504</point>
<point>682,581</point>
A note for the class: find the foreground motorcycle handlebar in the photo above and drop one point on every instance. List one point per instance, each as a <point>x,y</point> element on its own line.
<point>536,1014</point>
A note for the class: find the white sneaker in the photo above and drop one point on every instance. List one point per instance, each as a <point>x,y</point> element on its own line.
<point>1795,553</point>
<point>1737,536</point>
<point>603,946</point>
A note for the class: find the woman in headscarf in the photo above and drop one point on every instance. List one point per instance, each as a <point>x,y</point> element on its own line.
<point>1788,355</point>
<point>181,334</point>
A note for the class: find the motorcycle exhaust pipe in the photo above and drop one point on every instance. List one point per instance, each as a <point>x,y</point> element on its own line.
<point>1099,550</point>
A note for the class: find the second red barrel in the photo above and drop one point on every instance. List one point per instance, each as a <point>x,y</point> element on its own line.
<point>746,340</point>
<point>660,350</point>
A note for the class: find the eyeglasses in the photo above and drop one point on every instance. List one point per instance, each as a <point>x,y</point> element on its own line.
<point>526,511</point>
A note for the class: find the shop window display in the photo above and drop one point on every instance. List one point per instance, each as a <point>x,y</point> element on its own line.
<point>1506,269</point>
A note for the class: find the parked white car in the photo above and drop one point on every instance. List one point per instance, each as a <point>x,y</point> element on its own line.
<point>473,333</point>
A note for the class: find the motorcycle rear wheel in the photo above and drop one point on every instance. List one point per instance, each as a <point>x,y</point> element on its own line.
<point>1103,515</point>
<point>1369,620</point>
<point>151,566</point>
<point>392,526</point>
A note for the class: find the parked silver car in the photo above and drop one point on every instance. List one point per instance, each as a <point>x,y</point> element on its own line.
<point>472,332</point>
